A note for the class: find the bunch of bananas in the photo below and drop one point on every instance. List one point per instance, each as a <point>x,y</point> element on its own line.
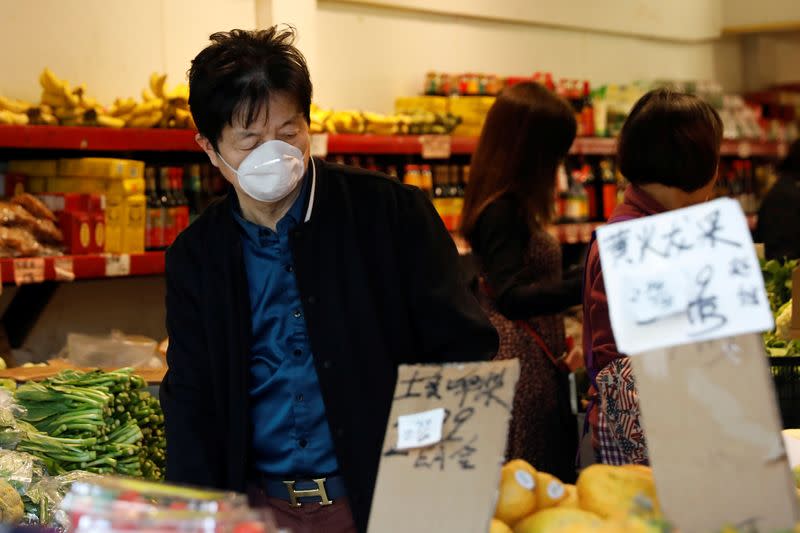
<point>14,112</point>
<point>71,106</point>
<point>160,107</point>
<point>421,122</point>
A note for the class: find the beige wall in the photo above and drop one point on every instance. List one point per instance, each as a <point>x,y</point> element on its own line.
<point>395,48</point>
<point>770,59</point>
<point>674,19</point>
<point>111,45</point>
<point>748,13</point>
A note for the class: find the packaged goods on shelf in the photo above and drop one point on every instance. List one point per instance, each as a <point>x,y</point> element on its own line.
<point>27,228</point>
<point>472,112</point>
<point>81,217</point>
<point>101,167</point>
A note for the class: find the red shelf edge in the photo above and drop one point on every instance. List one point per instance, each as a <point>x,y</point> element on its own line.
<point>91,266</point>
<point>171,140</point>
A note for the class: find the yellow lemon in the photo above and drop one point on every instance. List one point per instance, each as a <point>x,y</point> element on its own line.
<point>499,527</point>
<point>550,490</point>
<point>614,492</point>
<point>552,520</point>
<point>517,496</point>
<point>571,500</point>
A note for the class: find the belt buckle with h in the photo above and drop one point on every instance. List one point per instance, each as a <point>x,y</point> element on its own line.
<point>319,492</point>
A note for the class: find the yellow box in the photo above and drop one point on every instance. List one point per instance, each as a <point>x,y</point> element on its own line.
<point>36,167</point>
<point>468,130</point>
<point>411,104</point>
<point>114,224</point>
<point>37,184</point>
<point>101,167</point>
<point>125,187</point>
<point>471,109</point>
<point>133,220</point>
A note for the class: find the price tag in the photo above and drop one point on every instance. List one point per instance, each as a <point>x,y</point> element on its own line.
<point>436,146</point>
<point>64,269</point>
<point>319,145</point>
<point>744,150</point>
<point>420,429</point>
<point>682,277</point>
<point>29,270</point>
<point>118,265</point>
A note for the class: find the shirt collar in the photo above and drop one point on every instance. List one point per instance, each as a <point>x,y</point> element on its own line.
<point>302,205</point>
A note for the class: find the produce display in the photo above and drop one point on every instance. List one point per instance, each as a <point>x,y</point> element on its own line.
<point>778,282</point>
<point>605,498</point>
<point>98,422</point>
<point>415,122</point>
<point>27,228</point>
<point>63,104</point>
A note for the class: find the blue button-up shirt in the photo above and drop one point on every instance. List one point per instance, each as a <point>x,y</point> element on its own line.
<point>289,427</point>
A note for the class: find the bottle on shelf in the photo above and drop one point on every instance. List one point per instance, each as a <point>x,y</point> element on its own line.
<point>592,188</point>
<point>455,197</point>
<point>154,213</point>
<point>196,197</point>
<point>587,112</point>
<point>181,202</point>
<point>431,84</point>
<point>168,207</point>
<point>412,176</point>
<point>426,180</point>
<point>441,175</point>
<point>577,199</point>
<point>562,194</point>
<point>609,185</point>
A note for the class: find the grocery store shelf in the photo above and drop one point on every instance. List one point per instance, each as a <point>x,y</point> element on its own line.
<point>76,267</point>
<point>97,139</point>
<point>166,140</point>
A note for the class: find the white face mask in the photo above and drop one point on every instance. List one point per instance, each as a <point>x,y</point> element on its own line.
<point>270,172</point>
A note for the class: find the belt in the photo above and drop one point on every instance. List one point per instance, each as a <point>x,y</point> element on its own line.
<point>321,490</point>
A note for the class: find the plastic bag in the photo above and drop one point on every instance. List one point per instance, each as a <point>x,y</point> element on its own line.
<point>10,410</point>
<point>47,493</point>
<point>115,351</point>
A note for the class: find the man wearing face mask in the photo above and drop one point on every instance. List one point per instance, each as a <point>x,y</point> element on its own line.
<point>291,302</point>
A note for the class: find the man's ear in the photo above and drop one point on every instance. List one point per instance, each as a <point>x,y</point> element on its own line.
<point>208,148</point>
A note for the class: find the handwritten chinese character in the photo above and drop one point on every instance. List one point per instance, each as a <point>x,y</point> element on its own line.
<point>483,387</point>
<point>411,382</point>
<point>711,230</point>
<point>704,308</point>
<point>464,453</point>
<point>459,420</point>
<point>618,244</point>
<point>657,294</point>
<point>432,386</point>
<point>674,241</point>
<point>740,267</point>
<point>646,238</point>
<point>748,296</point>
<point>426,461</point>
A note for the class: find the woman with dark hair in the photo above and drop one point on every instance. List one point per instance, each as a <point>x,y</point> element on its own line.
<point>669,152</point>
<point>779,216</point>
<point>510,200</point>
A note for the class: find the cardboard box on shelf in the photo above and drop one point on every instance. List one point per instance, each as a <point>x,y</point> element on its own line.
<point>97,215</point>
<point>412,104</point>
<point>133,216</point>
<point>34,167</point>
<point>13,183</point>
<point>101,167</point>
<point>78,216</point>
<point>471,109</point>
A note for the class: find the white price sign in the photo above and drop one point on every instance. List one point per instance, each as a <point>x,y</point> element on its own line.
<point>319,145</point>
<point>681,277</point>
<point>420,429</point>
<point>30,270</point>
<point>118,265</point>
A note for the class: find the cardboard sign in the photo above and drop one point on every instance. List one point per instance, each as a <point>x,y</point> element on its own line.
<point>29,270</point>
<point>713,433</point>
<point>450,485</point>
<point>683,276</point>
<point>436,146</point>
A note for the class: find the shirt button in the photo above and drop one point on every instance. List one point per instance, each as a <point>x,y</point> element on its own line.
<point>298,353</point>
<point>303,443</point>
<point>299,397</point>
<point>289,268</point>
<point>297,314</point>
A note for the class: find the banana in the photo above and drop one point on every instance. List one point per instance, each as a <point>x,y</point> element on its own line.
<point>15,106</point>
<point>54,100</point>
<point>110,122</point>
<point>51,83</point>
<point>41,115</point>
<point>15,119</point>
<point>145,121</point>
<point>183,119</point>
<point>148,107</point>
<point>69,113</point>
<point>178,96</point>
<point>147,95</point>
<point>122,107</point>
<point>157,82</point>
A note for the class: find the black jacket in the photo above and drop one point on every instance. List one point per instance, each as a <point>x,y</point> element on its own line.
<point>779,219</point>
<point>377,274</point>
